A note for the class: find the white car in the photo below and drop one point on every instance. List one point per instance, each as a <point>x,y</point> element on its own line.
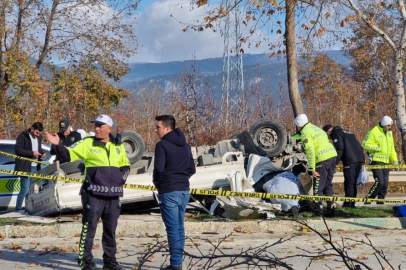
<point>10,184</point>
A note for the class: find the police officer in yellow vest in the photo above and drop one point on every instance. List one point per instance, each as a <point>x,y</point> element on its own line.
<point>106,171</point>
<point>321,160</point>
<point>381,148</point>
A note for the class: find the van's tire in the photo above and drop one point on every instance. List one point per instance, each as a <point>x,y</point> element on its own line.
<point>270,135</point>
<point>133,144</point>
<point>73,167</point>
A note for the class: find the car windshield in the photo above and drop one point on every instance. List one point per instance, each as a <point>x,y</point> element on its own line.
<point>9,148</point>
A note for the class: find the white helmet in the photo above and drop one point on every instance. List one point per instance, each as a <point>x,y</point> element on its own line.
<point>82,133</point>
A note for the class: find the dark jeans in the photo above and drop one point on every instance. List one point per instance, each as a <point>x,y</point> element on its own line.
<point>94,208</point>
<point>25,185</point>
<point>351,173</point>
<point>323,186</point>
<point>380,186</point>
<point>173,208</point>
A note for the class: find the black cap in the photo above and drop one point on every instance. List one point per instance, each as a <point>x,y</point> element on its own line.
<point>327,127</point>
<point>63,125</point>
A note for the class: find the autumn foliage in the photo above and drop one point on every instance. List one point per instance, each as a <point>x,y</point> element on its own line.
<point>331,94</point>
<point>355,96</point>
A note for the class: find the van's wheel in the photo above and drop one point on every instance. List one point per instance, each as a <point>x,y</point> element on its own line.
<point>133,144</point>
<point>73,167</point>
<point>270,135</point>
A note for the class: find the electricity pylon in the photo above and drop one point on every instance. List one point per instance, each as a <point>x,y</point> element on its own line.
<point>233,75</point>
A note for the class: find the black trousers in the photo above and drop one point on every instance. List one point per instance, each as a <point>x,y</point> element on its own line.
<point>94,208</point>
<point>323,186</point>
<point>351,173</point>
<point>380,186</point>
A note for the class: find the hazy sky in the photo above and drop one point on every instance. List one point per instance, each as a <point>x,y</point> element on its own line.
<point>160,36</point>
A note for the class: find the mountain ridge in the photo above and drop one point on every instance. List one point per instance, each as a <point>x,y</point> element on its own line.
<point>256,67</point>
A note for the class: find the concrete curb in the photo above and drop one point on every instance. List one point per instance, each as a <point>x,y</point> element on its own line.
<point>359,224</point>
<point>152,227</point>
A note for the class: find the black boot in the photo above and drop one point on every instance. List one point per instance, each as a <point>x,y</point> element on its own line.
<point>172,267</point>
<point>367,203</point>
<point>347,204</point>
<point>89,266</point>
<point>381,198</point>
<point>112,265</point>
<point>330,212</point>
<point>318,211</point>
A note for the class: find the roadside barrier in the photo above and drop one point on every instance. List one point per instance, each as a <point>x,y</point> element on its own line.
<point>259,195</point>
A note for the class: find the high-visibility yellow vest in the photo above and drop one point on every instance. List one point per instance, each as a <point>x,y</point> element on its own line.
<point>380,145</point>
<point>316,145</point>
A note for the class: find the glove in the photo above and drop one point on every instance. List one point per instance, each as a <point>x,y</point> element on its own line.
<point>370,159</point>
<point>395,162</point>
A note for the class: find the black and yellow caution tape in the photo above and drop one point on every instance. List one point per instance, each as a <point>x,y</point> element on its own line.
<point>399,167</point>
<point>368,167</point>
<point>42,176</point>
<point>23,158</point>
<point>207,192</point>
<point>387,166</point>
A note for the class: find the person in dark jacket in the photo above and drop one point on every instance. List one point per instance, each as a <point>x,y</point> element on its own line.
<point>351,154</point>
<point>106,171</point>
<point>173,166</point>
<point>28,144</point>
<point>66,136</point>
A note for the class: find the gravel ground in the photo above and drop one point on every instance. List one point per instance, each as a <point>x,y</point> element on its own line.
<point>61,253</point>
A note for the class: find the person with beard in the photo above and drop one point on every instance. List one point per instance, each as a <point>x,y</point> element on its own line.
<point>29,145</point>
<point>173,166</point>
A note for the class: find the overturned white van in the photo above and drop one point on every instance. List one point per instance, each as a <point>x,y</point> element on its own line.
<point>214,164</point>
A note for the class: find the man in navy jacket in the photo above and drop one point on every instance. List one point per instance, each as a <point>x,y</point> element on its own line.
<point>173,166</point>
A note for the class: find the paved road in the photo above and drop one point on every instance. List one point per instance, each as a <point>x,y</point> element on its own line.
<point>61,253</point>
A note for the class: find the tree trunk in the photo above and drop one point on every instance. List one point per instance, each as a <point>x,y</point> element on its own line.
<point>400,96</point>
<point>399,57</point>
<point>3,74</point>
<point>291,60</point>
<point>45,47</point>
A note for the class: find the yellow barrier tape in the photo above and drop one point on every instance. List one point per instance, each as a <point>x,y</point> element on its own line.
<point>388,166</point>
<point>23,158</point>
<point>369,167</point>
<point>399,167</point>
<point>42,176</point>
<point>207,192</point>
